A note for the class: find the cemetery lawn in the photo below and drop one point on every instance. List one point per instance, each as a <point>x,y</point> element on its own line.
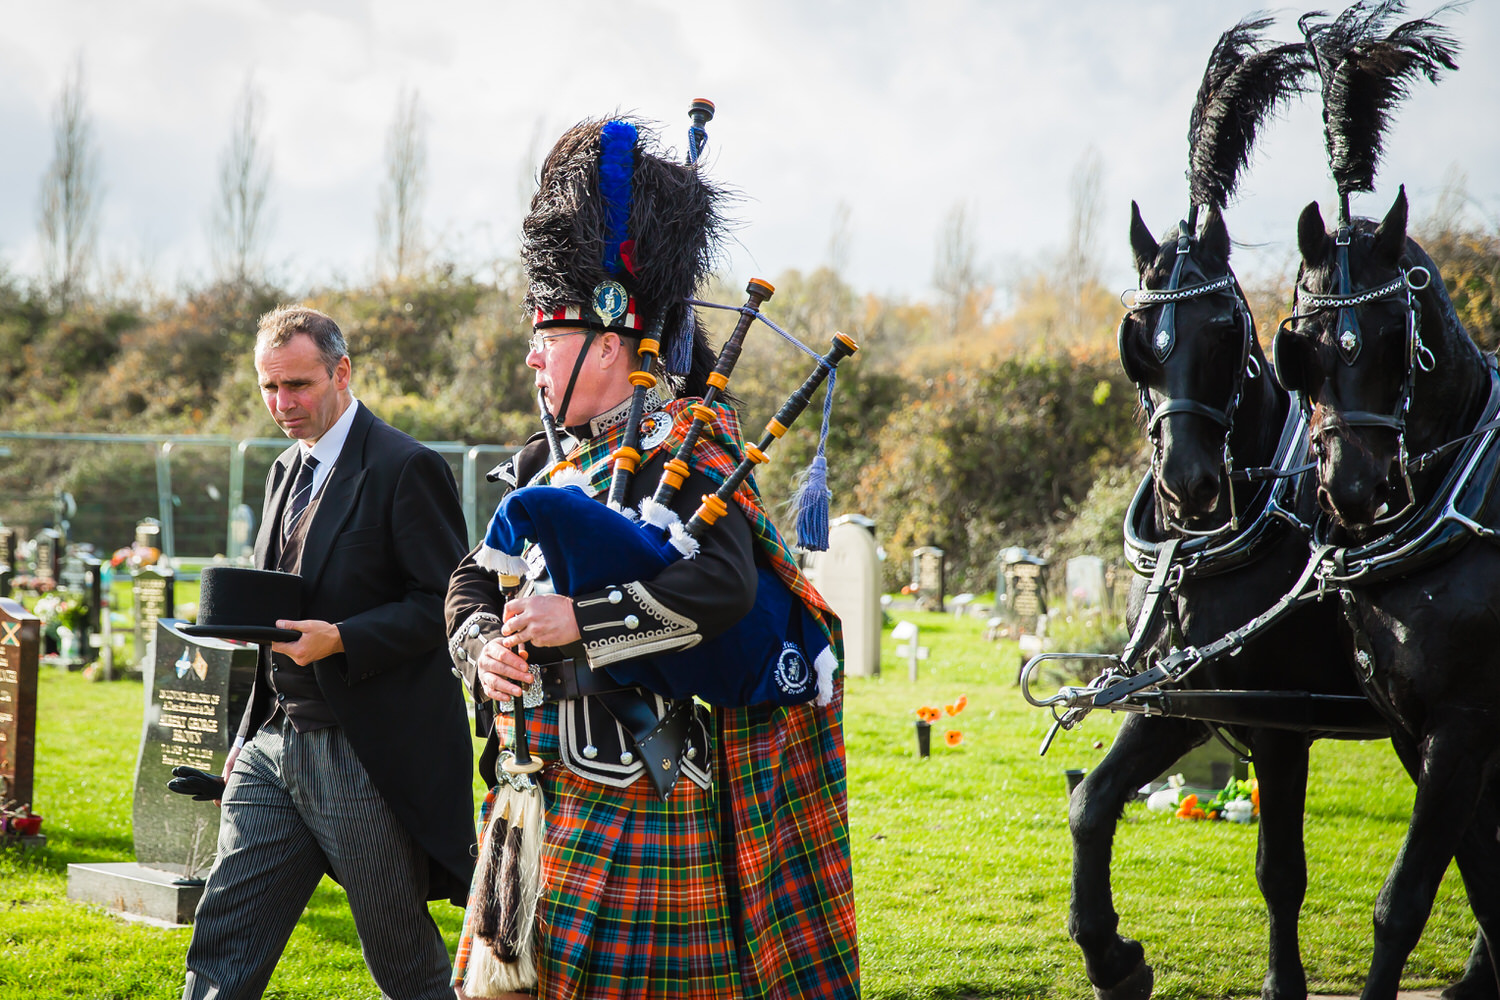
<point>961,861</point>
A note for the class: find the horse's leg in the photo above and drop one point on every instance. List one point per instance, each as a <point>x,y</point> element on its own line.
<point>1479,863</point>
<point>1448,786</point>
<point>1142,750</point>
<point>1479,980</point>
<point>1280,859</point>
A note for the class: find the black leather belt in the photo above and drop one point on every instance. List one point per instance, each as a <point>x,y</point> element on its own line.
<point>571,677</point>
<point>661,742</point>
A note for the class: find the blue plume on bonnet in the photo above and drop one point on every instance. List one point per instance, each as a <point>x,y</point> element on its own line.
<point>616,167</point>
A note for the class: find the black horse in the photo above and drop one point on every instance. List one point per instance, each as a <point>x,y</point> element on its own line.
<point>1409,496</point>
<point>1216,408</point>
<point>1404,429</point>
<point>1214,412</point>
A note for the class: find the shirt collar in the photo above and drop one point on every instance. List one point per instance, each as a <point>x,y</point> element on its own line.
<point>326,451</point>
<point>612,417</point>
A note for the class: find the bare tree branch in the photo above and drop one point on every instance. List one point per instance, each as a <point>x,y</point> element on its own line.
<point>956,275</point>
<point>398,220</point>
<point>240,221</point>
<point>1080,263</point>
<point>68,206</point>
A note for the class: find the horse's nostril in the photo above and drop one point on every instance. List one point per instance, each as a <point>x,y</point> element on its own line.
<point>1204,489</point>
<point>1325,501</point>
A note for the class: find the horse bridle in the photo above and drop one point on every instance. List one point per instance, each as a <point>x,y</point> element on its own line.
<point>1163,341</point>
<point>1350,341</point>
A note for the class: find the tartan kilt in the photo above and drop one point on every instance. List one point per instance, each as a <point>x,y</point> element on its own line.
<point>782,778</point>
<point>633,902</point>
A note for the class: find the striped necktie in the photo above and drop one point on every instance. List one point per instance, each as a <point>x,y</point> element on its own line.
<point>301,494</point>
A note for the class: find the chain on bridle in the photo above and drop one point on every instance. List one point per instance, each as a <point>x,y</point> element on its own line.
<point>1349,342</point>
<point>1163,341</point>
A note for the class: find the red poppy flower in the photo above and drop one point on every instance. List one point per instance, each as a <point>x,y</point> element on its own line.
<point>957,706</point>
<point>954,737</point>
<point>927,714</point>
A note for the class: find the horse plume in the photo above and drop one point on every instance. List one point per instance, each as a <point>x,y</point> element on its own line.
<point>1365,76</point>
<point>1242,87</point>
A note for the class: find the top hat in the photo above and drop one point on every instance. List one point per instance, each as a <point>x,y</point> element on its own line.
<point>244,604</point>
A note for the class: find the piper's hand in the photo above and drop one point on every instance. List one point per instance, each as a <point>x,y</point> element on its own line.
<point>540,620</point>
<point>502,670</point>
<point>319,639</point>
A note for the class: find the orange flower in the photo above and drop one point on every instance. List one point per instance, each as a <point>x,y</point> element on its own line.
<point>957,706</point>
<point>954,737</point>
<point>927,714</point>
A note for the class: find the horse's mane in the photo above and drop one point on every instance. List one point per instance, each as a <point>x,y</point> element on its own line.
<point>1242,87</point>
<point>1366,75</point>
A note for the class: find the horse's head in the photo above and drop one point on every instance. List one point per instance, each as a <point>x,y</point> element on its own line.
<point>1188,343</point>
<point>1354,348</point>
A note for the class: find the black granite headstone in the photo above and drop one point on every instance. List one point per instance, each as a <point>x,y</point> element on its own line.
<point>199,688</point>
<point>7,546</point>
<point>5,575</point>
<point>151,593</point>
<point>1025,588</point>
<point>20,642</point>
<point>48,555</point>
<point>929,578</point>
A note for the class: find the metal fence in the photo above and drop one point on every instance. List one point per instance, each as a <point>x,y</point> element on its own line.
<point>205,490</point>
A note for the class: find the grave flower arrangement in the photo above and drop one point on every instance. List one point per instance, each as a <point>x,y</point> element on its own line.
<point>18,820</point>
<point>1237,802</point>
<point>927,715</point>
<point>56,611</point>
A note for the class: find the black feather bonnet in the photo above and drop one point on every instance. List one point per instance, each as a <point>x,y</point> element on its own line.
<point>610,207</point>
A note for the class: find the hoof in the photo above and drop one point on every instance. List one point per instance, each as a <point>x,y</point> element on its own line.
<point>1136,986</point>
<point>1471,988</point>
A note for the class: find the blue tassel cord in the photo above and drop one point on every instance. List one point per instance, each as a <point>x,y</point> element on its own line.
<point>813,496</point>
<point>679,349</point>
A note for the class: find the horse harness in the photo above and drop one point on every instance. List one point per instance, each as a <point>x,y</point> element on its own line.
<point>1350,342</point>
<point>1164,340</point>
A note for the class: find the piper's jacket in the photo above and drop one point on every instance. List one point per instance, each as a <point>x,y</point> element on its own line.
<point>690,600</point>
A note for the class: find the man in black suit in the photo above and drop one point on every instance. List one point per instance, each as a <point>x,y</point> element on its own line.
<point>353,755</point>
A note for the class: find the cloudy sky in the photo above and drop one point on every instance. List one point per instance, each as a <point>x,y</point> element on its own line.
<point>897,110</point>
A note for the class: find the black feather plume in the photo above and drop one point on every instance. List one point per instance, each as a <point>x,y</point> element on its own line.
<point>1242,87</point>
<point>1367,71</point>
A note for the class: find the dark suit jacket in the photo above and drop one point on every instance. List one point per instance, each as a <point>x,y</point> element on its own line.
<point>387,533</point>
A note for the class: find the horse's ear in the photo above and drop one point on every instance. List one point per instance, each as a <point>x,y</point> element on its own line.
<point>1390,235</point>
<point>1214,236</point>
<point>1312,235</point>
<point>1142,243</point>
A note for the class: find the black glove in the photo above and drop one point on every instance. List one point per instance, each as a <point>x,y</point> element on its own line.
<point>201,785</point>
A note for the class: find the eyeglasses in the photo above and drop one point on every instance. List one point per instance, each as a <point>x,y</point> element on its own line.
<point>539,341</point>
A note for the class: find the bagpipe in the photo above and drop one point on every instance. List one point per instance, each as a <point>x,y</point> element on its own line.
<point>779,653</point>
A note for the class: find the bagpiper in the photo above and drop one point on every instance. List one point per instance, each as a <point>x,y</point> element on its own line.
<point>638,842</point>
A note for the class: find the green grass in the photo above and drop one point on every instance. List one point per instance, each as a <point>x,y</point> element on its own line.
<point>961,861</point>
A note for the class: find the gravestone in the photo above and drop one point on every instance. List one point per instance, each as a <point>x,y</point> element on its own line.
<point>928,578</point>
<point>7,547</point>
<point>5,574</point>
<point>1208,766</point>
<point>1085,581</point>
<point>1025,588</point>
<point>848,577</point>
<point>80,575</point>
<point>198,691</point>
<point>48,554</point>
<point>151,596</point>
<point>20,649</point>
